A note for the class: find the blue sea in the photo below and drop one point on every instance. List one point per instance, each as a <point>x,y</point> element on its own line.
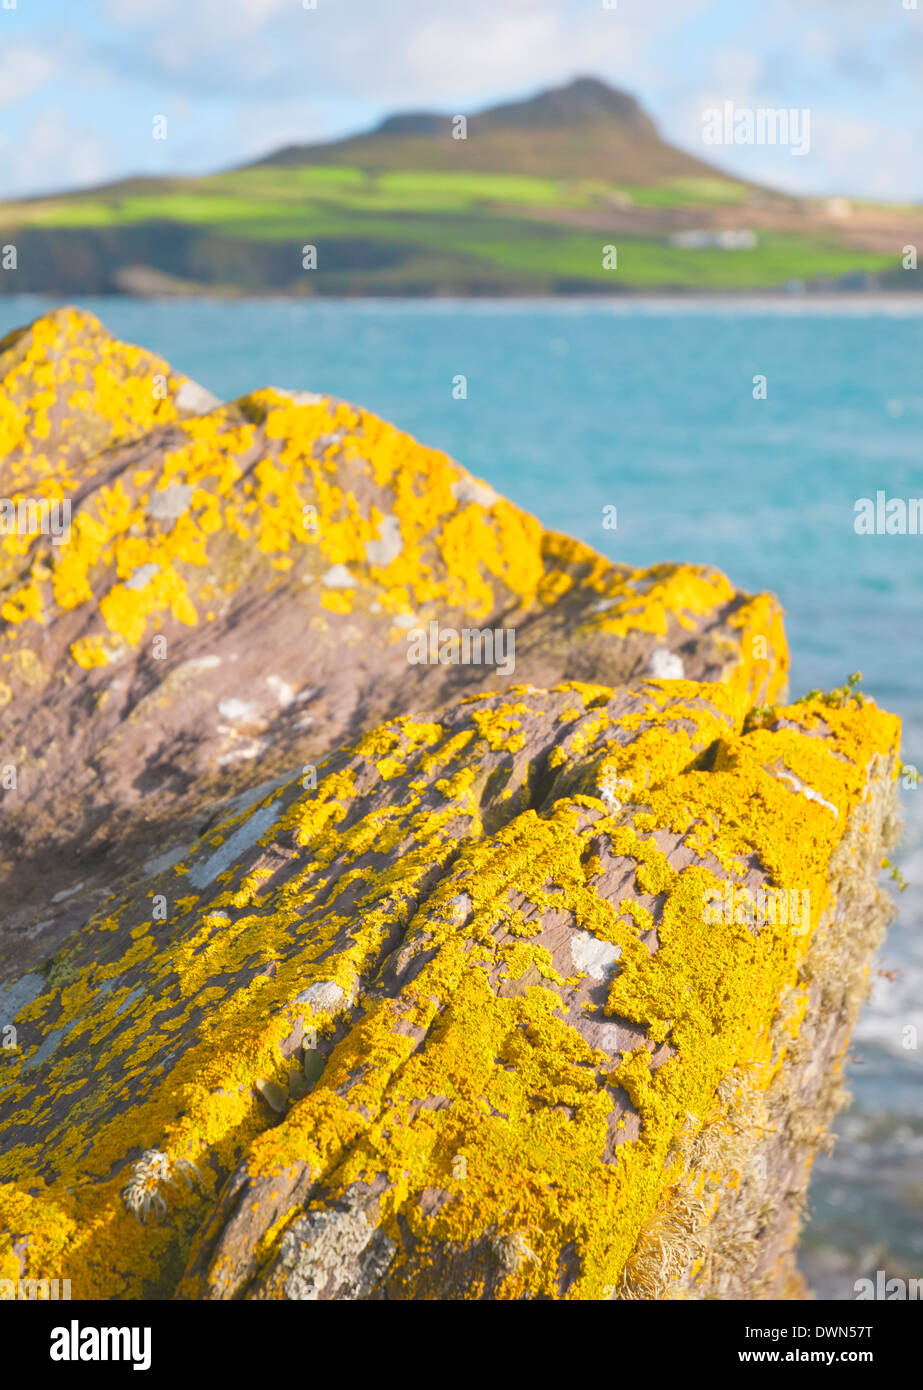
<point>649,406</point>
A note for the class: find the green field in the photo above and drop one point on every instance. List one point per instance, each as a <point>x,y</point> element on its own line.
<point>517,233</point>
<point>273,195</point>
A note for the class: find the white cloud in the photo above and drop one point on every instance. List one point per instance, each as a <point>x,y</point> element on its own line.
<point>857,157</point>
<point>458,50</point>
<point>228,18</point>
<point>413,52</point>
<point>242,76</point>
<point>24,67</point>
<point>54,153</point>
<point>202,29</point>
<point>868,160</point>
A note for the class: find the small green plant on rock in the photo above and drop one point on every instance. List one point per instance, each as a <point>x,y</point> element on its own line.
<point>839,698</point>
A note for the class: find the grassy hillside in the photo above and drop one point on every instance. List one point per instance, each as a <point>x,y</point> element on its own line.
<point>408,210</point>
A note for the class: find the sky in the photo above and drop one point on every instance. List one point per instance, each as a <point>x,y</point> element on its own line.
<point>81,84</point>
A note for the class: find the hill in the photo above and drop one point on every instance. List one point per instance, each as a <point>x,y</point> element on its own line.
<point>585,130</point>
<point>570,191</point>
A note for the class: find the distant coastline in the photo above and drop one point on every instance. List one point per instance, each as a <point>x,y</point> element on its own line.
<point>570,193</point>
<point>779,303</point>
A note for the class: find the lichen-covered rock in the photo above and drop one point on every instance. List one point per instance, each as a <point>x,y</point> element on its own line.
<point>243,587</point>
<point>542,993</point>
<point>508,1004</point>
<point>69,390</point>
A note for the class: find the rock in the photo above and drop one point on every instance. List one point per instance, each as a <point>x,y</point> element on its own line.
<point>431,978</point>
<point>170,503</point>
<point>558,1065</point>
<point>192,396</point>
<point>288,542</point>
<point>69,390</point>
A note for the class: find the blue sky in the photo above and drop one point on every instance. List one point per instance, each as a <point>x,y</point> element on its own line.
<point>81,83</point>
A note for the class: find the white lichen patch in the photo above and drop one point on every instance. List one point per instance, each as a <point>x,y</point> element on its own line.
<point>283,690</point>
<point>244,838</point>
<point>243,751</point>
<point>142,576</point>
<point>16,995</point>
<point>607,1037</point>
<point>161,862</point>
<point>131,998</point>
<point>244,800</point>
<point>195,398</point>
<point>67,892</point>
<point>467,489</point>
<point>238,711</point>
<point>336,1253</point>
<point>338,577</point>
<point>170,503</point>
<point>323,997</point>
<point>592,956</point>
<point>197,664</point>
<point>389,544</point>
<point>611,790</point>
<point>666,665</point>
<point>461,908</point>
<point>48,1046</point>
